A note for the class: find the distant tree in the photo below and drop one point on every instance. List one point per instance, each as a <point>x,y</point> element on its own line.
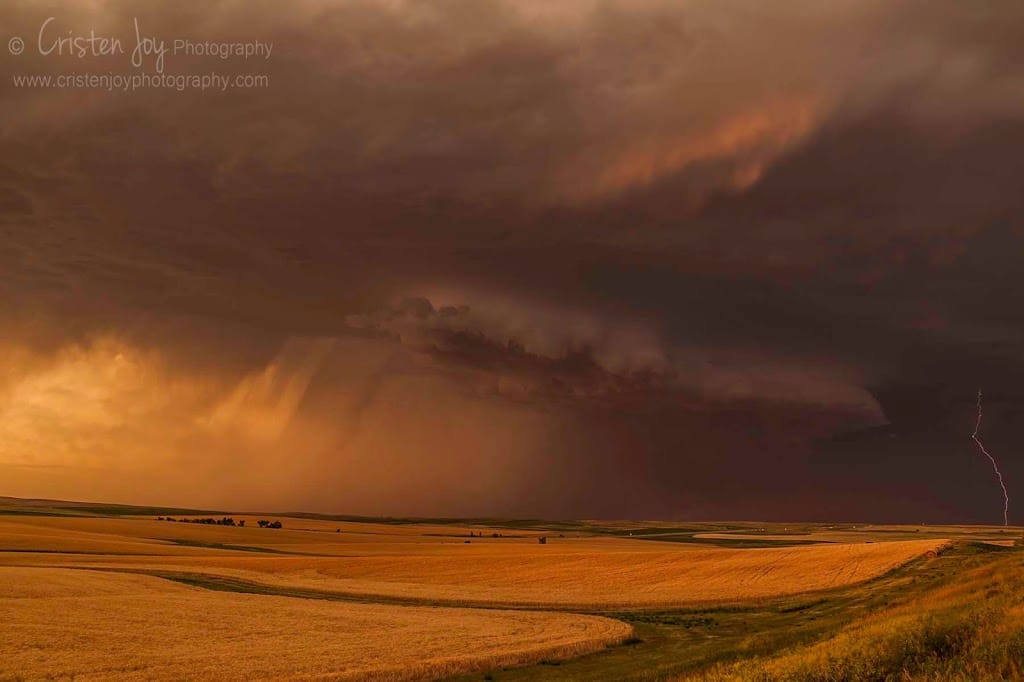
<point>241,523</point>
<point>275,524</point>
<point>262,524</point>
<point>542,540</point>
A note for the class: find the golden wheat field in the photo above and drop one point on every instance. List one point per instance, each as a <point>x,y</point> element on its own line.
<point>969,629</point>
<point>86,625</point>
<point>367,560</point>
<point>91,596</point>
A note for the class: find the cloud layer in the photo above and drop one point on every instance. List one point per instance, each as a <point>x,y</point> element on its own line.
<point>631,258</point>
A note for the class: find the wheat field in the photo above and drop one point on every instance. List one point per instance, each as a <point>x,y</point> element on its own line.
<point>599,578</point>
<point>365,560</point>
<point>87,625</point>
<point>95,597</point>
<point>969,629</point>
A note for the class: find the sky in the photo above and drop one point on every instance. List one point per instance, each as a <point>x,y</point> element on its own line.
<point>588,259</point>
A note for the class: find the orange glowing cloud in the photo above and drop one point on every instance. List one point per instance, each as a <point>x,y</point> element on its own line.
<point>106,419</point>
<point>747,142</point>
<point>62,411</point>
<point>106,405</point>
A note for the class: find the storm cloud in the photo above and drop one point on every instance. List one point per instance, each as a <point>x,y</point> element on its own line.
<point>649,258</point>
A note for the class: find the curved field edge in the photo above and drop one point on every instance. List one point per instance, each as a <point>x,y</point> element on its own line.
<point>638,628</point>
<point>750,580</point>
<point>691,643</point>
<point>226,582</point>
<point>131,626</point>
<point>969,627</point>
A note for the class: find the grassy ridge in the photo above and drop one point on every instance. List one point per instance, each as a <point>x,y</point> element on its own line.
<point>14,506</point>
<point>181,542</point>
<point>771,641</point>
<point>970,627</point>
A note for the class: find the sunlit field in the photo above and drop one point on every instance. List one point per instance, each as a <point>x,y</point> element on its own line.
<point>89,625</point>
<point>93,592</point>
<point>423,563</point>
<point>969,629</point>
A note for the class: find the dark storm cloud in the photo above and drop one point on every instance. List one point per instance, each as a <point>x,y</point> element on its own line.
<point>695,238</point>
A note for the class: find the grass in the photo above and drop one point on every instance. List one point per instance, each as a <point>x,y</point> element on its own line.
<point>220,583</point>
<point>235,548</point>
<point>970,626</point>
<point>736,543</point>
<point>17,506</point>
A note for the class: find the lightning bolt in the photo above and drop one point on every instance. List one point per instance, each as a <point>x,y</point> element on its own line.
<point>995,466</point>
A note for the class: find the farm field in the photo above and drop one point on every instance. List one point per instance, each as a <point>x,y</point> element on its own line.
<point>144,628</point>
<point>969,627</point>
<point>345,598</point>
<point>582,572</point>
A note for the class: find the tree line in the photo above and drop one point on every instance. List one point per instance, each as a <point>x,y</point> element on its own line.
<point>223,521</point>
